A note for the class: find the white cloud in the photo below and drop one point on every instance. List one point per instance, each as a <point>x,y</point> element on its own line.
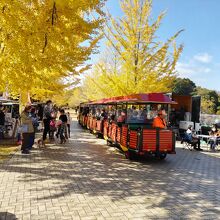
<point>203,57</point>
<point>206,70</point>
<point>188,70</point>
<point>205,74</point>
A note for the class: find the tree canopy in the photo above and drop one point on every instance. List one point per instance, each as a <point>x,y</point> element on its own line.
<point>43,42</point>
<point>136,61</point>
<point>210,100</point>
<point>183,86</point>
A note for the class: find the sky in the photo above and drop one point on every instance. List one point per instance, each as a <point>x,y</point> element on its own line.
<point>200,19</point>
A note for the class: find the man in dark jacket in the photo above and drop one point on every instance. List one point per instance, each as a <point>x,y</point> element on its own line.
<point>46,118</point>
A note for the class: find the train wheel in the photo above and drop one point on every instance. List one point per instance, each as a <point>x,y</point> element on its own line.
<point>130,155</point>
<point>163,156</point>
<point>127,155</point>
<point>109,143</point>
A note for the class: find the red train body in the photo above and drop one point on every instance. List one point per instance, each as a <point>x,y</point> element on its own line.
<point>133,137</point>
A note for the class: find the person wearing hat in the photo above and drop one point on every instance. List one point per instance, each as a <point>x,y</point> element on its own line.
<point>159,121</point>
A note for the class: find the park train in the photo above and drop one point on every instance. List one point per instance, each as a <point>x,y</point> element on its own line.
<point>127,123</point>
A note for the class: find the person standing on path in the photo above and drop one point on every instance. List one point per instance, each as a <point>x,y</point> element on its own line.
<point>27,130</point>
<point>63,127</point>
<point>46,118</point>
<point>69,119</point>
<point>35,123</point>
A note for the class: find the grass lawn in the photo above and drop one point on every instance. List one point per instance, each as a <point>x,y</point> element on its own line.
<point>6,151</point>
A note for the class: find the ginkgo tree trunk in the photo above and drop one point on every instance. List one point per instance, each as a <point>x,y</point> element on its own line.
<point>44,41</point>
<point>144,64</point>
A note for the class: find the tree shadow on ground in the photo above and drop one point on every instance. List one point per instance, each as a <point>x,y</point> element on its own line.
<point>7,216</point>
<point>86,167</point>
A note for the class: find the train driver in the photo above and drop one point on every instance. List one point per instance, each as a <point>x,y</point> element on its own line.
<point>159,121</point>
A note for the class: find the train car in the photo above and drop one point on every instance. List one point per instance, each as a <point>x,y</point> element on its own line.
<point>126,121</point>
<point>83,114</point>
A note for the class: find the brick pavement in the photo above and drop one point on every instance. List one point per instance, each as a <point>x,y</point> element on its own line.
<point>85,179</point>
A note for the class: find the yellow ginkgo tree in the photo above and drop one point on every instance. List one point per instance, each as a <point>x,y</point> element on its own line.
<point>44,42</point>
<point>138,61</point>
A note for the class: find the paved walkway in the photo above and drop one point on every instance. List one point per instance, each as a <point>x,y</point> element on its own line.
<point>85,179</point>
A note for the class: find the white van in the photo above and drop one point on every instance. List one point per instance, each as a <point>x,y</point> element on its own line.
<point>11,110</point>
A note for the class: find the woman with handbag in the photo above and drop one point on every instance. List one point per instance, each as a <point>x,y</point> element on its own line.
<point>27,130</point>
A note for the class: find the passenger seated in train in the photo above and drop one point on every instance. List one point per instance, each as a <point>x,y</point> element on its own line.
<point>132,114</point>
<point>85,111</point>
<point>137,116</point>
<point>111,116</point>
<point>142,116</point>
<point>92,112</point>
<point>104,114</point>
<point>98,114</point>
<point>121,117</point>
